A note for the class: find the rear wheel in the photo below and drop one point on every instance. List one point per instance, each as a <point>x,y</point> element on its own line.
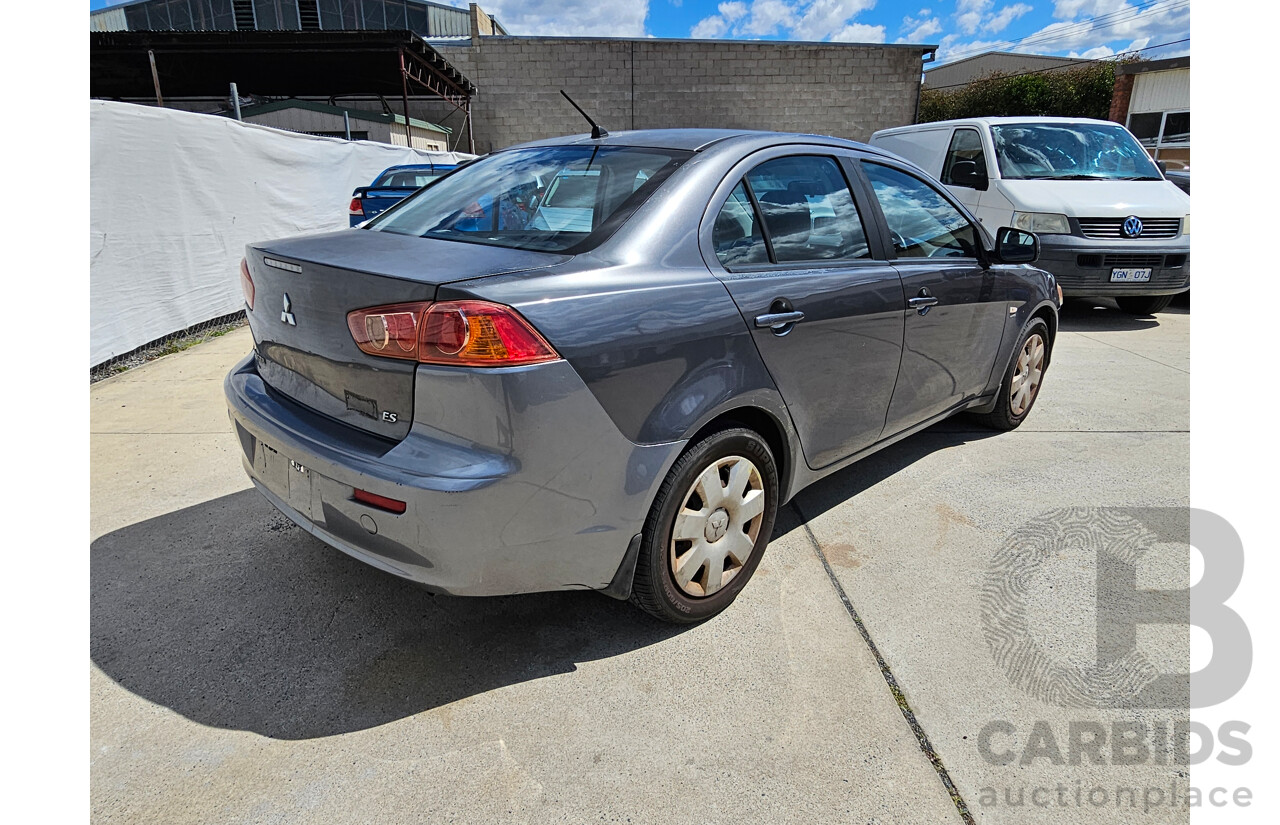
<point>1021,385</point>
<point>708,527</point>
<point>1144,304</point>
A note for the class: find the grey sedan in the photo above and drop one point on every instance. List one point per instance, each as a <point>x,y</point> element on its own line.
<point>603,364</point>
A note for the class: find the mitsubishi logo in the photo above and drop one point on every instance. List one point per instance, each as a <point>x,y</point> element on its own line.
<point>286,314</point>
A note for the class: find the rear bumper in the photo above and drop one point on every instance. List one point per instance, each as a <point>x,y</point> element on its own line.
<point>1083,266</point>
<point>520,482</point>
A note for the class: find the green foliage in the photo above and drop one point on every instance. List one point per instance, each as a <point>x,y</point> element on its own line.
<point>1084,91</point>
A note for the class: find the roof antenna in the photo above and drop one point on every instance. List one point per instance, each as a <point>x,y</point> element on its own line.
<point>597,131</point>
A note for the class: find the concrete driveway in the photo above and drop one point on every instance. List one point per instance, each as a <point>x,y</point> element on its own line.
<point>244,672</point>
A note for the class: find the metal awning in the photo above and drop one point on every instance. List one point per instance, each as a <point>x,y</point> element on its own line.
<point>274,64</point>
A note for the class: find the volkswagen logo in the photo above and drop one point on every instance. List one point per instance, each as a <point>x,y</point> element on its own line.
<point>1132,227</point>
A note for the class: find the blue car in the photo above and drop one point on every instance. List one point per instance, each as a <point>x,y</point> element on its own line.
<point>392,186</point>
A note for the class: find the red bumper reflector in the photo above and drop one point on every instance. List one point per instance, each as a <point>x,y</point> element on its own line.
<point>391,505</point>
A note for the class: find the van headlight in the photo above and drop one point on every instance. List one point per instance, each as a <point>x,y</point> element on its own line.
<point>1186,225</point>
<point>1046,223</point>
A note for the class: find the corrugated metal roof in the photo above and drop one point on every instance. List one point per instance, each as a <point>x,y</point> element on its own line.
<point>354,114</point>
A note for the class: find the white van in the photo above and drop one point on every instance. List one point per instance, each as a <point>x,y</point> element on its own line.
<point>1109,223</point>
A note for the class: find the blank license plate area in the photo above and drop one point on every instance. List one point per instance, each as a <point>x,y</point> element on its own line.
<point>286,478</point>
<point>1130,276</point>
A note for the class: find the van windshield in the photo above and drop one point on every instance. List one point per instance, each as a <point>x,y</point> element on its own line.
<point>1070,151</point>
<point>552,199</point>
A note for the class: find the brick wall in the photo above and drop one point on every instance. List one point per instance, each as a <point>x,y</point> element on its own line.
<point>1121,93</point>
<point>848,90</point>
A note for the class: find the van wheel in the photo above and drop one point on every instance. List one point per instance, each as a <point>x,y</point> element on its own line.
<point>1144,304</point>
<point>708,528</point>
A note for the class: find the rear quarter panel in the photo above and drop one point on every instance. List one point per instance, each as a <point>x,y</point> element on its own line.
<point>662,350</point>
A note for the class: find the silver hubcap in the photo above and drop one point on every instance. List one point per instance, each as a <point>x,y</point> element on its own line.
<point>1026,376</point>
<point>717,526</point>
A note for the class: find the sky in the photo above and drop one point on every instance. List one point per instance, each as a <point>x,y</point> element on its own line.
<point>960,28</point>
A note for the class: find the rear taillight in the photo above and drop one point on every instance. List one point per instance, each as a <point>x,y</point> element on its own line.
<point>480,334</point>
<point>461,333</point>
<point>389,331</point>
<point>356,207</point>
<point>246,282</point>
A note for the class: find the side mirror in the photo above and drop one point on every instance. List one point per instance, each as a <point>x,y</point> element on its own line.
<point>967,173</point>
<point>1162,166</point>
<point>1013,246</point>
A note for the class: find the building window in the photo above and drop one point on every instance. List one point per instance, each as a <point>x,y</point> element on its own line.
<point>1166,135</point>
<point>354,134</point>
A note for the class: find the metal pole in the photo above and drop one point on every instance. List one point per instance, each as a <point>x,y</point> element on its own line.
<point>404,86</point>
<point>471,134</point>
<point>346,124</point>
<point>235,101</point>
<point>155,77</point>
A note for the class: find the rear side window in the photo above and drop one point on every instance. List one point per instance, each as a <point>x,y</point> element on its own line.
<point>965,145</point>
<point>736,236</point>
<point>923,223</point>
<point>808,212</point>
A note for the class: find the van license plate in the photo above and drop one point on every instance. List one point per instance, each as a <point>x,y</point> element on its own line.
<point>1130,276</point>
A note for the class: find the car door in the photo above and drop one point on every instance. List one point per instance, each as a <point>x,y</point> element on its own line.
<point>790,243</point>
<point>955,310</point>
<point>965,144</point>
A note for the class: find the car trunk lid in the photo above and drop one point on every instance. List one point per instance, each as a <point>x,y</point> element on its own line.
<point>305,287</point>
<point>376,200</point>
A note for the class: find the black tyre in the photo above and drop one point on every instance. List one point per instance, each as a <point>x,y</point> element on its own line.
<point>708,527</point>
<point>1022,379</point>
<point>1144,304</point>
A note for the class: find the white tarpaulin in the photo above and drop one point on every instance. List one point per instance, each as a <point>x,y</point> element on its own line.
<point>175,196</point>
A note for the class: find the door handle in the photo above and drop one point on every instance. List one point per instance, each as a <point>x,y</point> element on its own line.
<point>922,302</point>
<point>778,320</point>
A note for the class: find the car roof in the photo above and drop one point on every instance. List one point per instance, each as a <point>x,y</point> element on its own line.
<point>700,140</point>
<point>992,121</point>
<point>413,167</point>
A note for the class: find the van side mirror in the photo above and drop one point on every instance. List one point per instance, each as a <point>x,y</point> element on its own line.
<point>967,173</point>
<point>1162,166</point>
<point>1014,246</point>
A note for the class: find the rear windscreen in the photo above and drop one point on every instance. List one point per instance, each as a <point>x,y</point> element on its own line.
<point>408,180</point>
<point>555,199</point>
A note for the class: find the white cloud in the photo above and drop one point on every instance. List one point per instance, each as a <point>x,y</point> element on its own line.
<point>709,28</point>
<point>859,33</point>
<point>973,16</point>
<point>1095,53</point>
<point>615,18</point>
<point>922,30</point>
<point>1075,31</point>
<point>823,17</point>
<point>768,16</point>
<point>792,19</point>
<point>1000,21</point>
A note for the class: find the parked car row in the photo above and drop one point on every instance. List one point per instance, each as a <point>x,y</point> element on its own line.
<point>605,363</point>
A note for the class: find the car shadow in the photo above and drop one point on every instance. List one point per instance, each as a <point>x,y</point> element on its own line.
<point>232,616</point>
<point>1102,315</point>
<point>845,484</point>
